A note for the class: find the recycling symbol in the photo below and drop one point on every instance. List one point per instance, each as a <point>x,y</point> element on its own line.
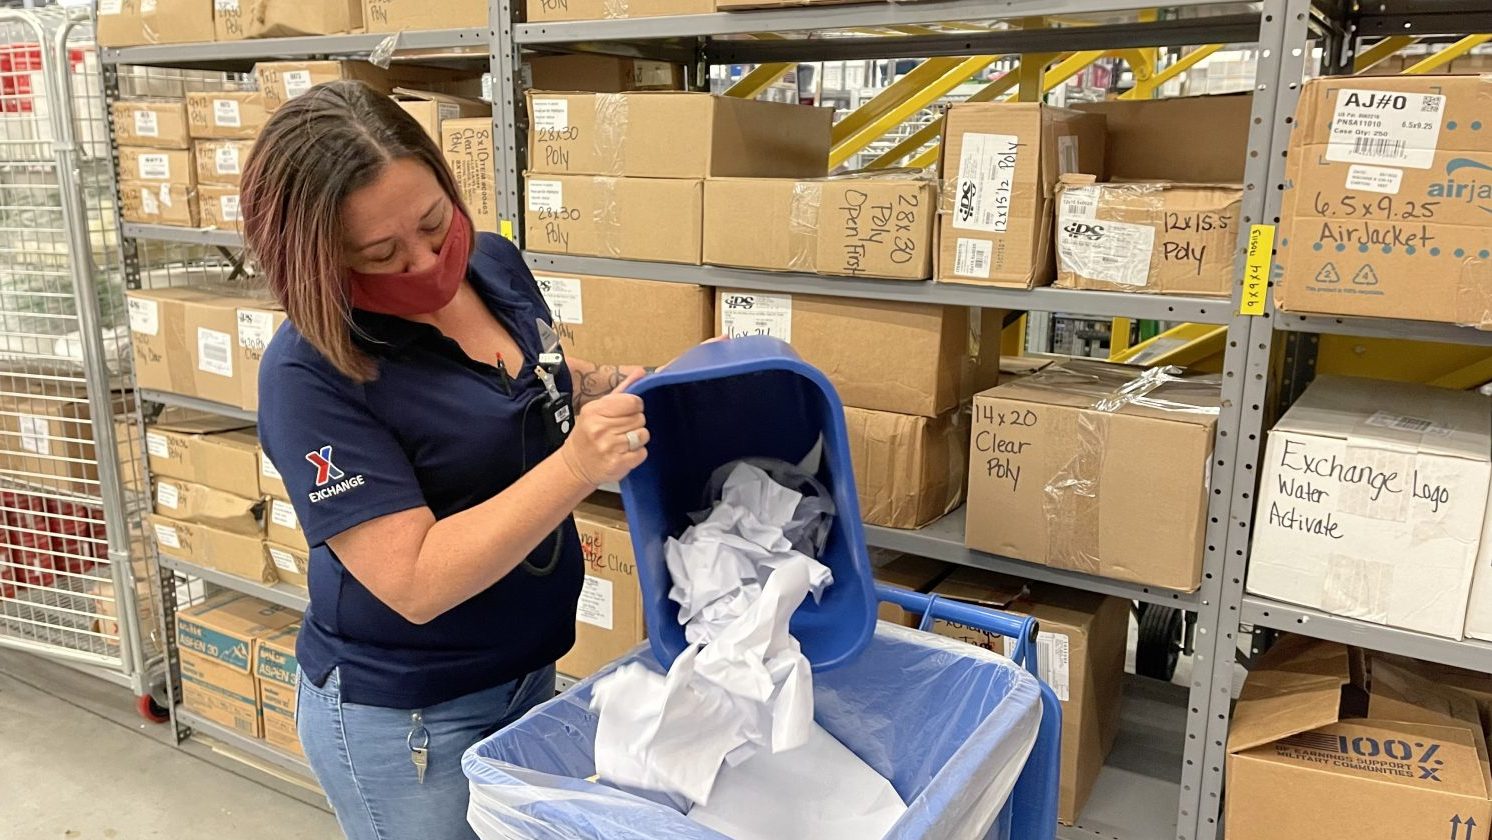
<point>1329,274</point>
<point>1365,276</point>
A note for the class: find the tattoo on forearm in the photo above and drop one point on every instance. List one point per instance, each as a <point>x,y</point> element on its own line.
<point>598,383</point>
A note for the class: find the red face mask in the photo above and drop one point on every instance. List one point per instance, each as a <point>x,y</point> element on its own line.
<point>408,293</point>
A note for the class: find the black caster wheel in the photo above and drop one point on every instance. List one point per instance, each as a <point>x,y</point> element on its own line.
<point>1158,649</point>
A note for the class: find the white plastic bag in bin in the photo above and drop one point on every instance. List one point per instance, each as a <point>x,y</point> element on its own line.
<point>950,725</point>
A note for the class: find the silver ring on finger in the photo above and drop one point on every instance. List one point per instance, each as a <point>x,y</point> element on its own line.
<point>634,441</point>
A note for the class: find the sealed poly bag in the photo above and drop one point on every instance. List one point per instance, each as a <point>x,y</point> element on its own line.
<point>948,724</point>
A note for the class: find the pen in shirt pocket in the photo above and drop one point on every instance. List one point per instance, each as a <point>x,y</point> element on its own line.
<point>502,375</point>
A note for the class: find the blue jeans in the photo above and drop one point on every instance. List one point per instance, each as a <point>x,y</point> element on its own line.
<point>361,756</point>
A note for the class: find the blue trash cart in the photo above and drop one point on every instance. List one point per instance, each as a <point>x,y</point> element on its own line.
<point>936,717</point>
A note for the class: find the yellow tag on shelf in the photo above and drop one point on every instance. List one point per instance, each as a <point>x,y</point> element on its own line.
<point>505,227</point>
<point>1256,270</point>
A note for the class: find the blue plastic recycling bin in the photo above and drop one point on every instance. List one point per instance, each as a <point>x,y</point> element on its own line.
<point>743,398</point>
<point>936,717</point>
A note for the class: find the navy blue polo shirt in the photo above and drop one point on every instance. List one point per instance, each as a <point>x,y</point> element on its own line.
<point>435,429</point>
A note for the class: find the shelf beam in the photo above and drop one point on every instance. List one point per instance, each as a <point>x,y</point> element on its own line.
<point>292,597</point>
<point>1276,615</point>
<point>190,236</point>
<point>197,404</point>
<point>1382,328</point>
<point>439,45</point>
<point>252,747</point>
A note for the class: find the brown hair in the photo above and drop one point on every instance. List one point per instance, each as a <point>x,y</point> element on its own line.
<point>316,150</point>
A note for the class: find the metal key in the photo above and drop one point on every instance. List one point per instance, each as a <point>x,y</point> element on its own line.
<point>420,756</point>
<point>418,741</point>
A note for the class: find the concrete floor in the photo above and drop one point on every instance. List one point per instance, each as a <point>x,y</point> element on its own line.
<point>79,764</point>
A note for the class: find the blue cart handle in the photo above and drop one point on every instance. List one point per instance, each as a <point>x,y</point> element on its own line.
<point>1022,628</point>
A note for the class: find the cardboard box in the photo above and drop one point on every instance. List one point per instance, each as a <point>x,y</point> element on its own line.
<point>158,123</point>
<point>672,134</point>
<point>218,207</point>
<point>291,564</point>
<point>654,219</point>
<point>547,10</point>
<point>183,340</point>
<point>468,150</point>
<point>907,571</point>
<point>1119,492</point>
<point>213,451</point>
<point>235,554</point>
<point>854,226</point>
<point>1080,650</point>
<point>1000,164</point>
<point>909,470</point>
<point>287,18</point>
<point>220,161</point>
<point>158,203</point>
<point>282,81</point>
<point>1147,236</point>
<point>1190,139</point>
<point>1372,503</point>
<point>942,356</point>
<point>47,436</point>
<point>432,109</point>
<point>202,505</point>
<point>154,166</point>
<point>271,483</point>
<point>1290,742</point>
<point>257,326</point>
<point>131,23</point>
<point>283,527</point>
<point>609,621</point>
<point>275,669</point>
<point>226,115</point>
<point>613,321</point>
<point>600,73</point>
<point>399,15</point>
<point>1387,214</point>
<point>219,642</point>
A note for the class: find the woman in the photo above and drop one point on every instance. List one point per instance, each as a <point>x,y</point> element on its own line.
<point>419,441</point>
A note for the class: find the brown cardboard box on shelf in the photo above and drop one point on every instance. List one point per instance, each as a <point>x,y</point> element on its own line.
<point>215,451</point>
<point>673,134</point>
<point>1000,164</point>
<point>257,325</point>
<point>1080,651</point>
<point>46,437</point>
<point>942,356</point>
<point>225,115</point>
<point>271,483</point>
<point>159,123</point>
<point>281,81</point>
<point>217,206</point>
<point>131,23</point>
<point>227,20</point>
<point>183,340</point>
<point>291,564</point>
<point>601,73</point>
<point>431,109</point>
<point>654,219</point>
<point>1387,213</point>
<point>289,18</point>
<point>550,10</point>
<point>202,505</point>
<point>1293,739</point>
<point>614,321</point>
<point>1147,236</point>
<point>609,621</point>
<point>219,640</point>
<point>399,15</point>
<point>1195,139</point>
<point>275,667</point>
<point>854,226</point>
<point>735,5</point>
<point>282,526</point>
<point>909,469</point>
<point>158,203</point>
<point>1053,479</point>
<point>221,161</point>
<point>154,166</point>
<point>468,150</point>
<point>907,571</point>
<point>235,554</point>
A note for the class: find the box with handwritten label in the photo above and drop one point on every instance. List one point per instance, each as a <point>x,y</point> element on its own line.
<point>655,219</point>
<point>219,640</point>
<point>1057,461</point>
<point>203,449</point>
<point>218,207</point>
<point>401,15</point>
<point>861,225</point>
<point>132,23</point>
<point>225,115</point>
<point>159,203</point>
<point>1372,505</point>
<point>220,161</point>
<point>1147,236</point>
<point>1387,211</point>
<point>198,503</point>
<point>281,81</point>
<point>154,122</point>
<point>292,563</point>
<point>290,18</point>
<point>185,340</point>
<point>618,321</point>
<point>256,327</point>
<point>609,620</point>
<point>240,555</point>
<point>1000,164</point>
<point>156,166</point>
<point>282,526</point>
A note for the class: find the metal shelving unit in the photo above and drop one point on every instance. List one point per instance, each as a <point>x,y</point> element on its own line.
<point>189,236</point>
<point>196,404</point>
<point>240,742</point>
<point>1381,328</point>
<point>230,55</point>
<point>1276,615</point>
<point>293,597</point>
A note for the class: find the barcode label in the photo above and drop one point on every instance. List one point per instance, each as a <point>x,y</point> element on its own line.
<point>225,160</point>
<point>167,536</point>
<point>147,124</point>
<point>156,445</point>
<point>1404,423</point>
<point>155,167</point>
<point>1053,661</point>
<point>748,313</point>
<point>296,82</point>
<point>282,514</point>
<point>225,113</point>
<point>228,206</point>
<point>562,294</point>
<point>255,329</point>
<point>284,560</point>
<point>1379,147</point>
<point>972,257</point>
<point>167,495</point>
<point>214,352</point>
<point>149,204</point>
<point>1385,127</point>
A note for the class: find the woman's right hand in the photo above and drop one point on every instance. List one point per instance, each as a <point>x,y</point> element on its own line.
<point>600,448</point>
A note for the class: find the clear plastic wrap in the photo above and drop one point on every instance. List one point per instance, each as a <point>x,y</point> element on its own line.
<point>607,217</point>
<point>611,128</point>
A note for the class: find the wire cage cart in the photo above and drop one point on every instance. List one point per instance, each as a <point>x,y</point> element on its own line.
<point>74,585</point>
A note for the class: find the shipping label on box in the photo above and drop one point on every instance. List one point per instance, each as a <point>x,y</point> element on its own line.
<point>160,123</point>
<point>609,617</point>
<point>291,564</point>
<point>271,483</point>
<point>146,165</point>
<point>256,328</point>
<point>221,161</point>
<point>159,203</point>
<point>225,115</point>
<point>282,526</point>
<point>1373,503</point>
<point>615,321</point>
<point>656,219</point>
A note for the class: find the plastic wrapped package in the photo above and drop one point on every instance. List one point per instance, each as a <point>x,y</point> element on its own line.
<point>949,725</point>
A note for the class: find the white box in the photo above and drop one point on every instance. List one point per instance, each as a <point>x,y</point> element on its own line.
<point>1373,503</point>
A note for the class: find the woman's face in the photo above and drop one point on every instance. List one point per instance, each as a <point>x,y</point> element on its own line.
<point>398,222</point>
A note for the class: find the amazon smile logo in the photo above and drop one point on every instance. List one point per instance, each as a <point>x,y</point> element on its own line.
<point>1466,180</point>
